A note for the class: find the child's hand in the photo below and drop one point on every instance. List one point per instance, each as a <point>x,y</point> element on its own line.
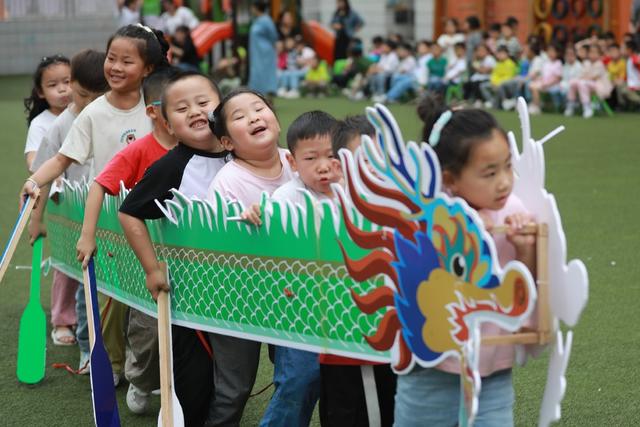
<point>156,282</point>
<point>252,215</point>
<point>517,234</point>
<point>36,229</point>
<point>85,249</point>
<point>30,189</point>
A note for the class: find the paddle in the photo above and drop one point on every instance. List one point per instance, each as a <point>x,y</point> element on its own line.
<point>171,414</point>
<point>105,406</point>
<point>15,235</point>
<point>32,338</point>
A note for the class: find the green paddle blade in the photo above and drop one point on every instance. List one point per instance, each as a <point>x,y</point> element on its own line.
<point>32,338</point>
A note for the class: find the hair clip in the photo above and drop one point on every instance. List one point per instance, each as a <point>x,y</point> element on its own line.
<point>434,136</point>
<point>156,103</point>
<point>144,27</point>
<point>211,115</point>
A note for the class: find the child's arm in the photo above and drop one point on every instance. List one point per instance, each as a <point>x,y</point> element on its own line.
<point>86,246</point>
<point>36,226</point>
<point>135,230</point>
<point>523,240</point>
<point>50,170</point>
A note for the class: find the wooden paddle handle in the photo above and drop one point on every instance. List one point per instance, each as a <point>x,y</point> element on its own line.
<point>502,229</point>
<point>86,283</point>
<point>15,237</point>
<point>164,323</point>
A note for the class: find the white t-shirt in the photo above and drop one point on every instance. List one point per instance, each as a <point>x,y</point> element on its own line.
<point>293,191</point>
<point>38,129</point>
<point>237,183</point>
<point>421,72</point>
<point>183,16</point>
<point>447,42</point>
<point>487,62</point>
<point>455,70</point>
<point>52,142</point>
<point>407,65</point>
<point>101,130</point>
<point>388,62</point>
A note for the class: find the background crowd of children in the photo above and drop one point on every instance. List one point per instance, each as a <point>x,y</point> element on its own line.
<point>484,68</point>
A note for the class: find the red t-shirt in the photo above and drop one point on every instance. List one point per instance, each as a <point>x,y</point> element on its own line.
<point>130,164</point>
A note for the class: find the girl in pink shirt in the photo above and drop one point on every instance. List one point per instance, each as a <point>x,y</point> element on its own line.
<point>549,77</point>
<point>476,165</point>
<point>594,79</point>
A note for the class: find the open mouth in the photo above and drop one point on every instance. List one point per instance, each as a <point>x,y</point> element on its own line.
<point>199,124</point>
<point>459,310</point>
<point>258,130</point>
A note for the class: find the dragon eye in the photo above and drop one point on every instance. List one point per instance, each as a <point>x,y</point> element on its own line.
<point>458,265</point>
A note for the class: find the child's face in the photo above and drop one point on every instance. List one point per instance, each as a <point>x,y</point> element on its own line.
<point>450,27</point>
<point>552,53</point>
<point>614,53</point>
<point>423,49</point>
<point>252,127</point>
<point>124,68</point>
<point>582,53</point>
<point>289,43</point>
<point>188,103</point>
<point>594,54</point>
<point>313,160</point>
<point>55,87</point>
<point>459,51</point>
<point>506,31</point>
<point>502,55</point>
<point>481,52</point>
<point>486,180</point>
<point>436,50</point>
<point>570,56</point>
<point>81,96</point>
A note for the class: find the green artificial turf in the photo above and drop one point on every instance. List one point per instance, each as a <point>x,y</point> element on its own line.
<point>592,168</point>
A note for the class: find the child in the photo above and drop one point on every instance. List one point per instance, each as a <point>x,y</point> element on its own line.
<point>345,400</point>
<point>296,372</point>
<point>476,165</point>
<point>491,40</point>
<point>530,65</point>
<point>406,68</point>
<point>629,93</point>
<point>437,68</point>
<point>317,78</point>
<point>617,69</point>
<point>508,39</point>
<point>380,72</point>
<point>247,126</point>
<point>50,95</point>
<point>504,70</point>
<point>571,69</point>
<point>550,77</point>
<point>67,299</point>
<point>102,129</point>
<point>126,168</point>
<point>594,79</point>
<point>187,99</point>
<point>449,38</point>
<point>184,51</point>
<point>456,69</point>
<point>297,67</point>
<point>482,67</point>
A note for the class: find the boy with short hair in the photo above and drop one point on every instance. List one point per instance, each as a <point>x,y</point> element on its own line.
<point>187,99</point>
<point>127,168</point>
<point>296,372</point>
<point>344,396</point>
<point>87,83</point>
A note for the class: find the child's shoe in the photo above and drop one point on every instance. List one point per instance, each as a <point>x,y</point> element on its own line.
<point>137,400</point>
<point>570,109</point>
<point>587,111</point>
<point>534,109</point>
<point>84,366</point>
<point>509,104</point>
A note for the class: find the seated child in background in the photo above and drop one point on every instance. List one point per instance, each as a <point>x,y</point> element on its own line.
<point>550,77</point>
<point>504,71</point>
<point>380,72</point>
<point>482,67</point>
<point>184,51</point>
<point>594,79</point>
<point>187,99</point>
<point>437,68</point>
<point>376,48</point>
<point>456,69</point>
<point>297,66</point>
<point>87,83</point>
<point>530,67</point>
<point>509,40</point>
<point>344,397</point>
<point>317,79</point>
<point>491,39</point>
<point>571,69</point>
<point>127,168</point>
<point>416,81</point>
<point>617,69</point>
<point>296,374</point>
<point>629,92</point>
<point>351,78</point>
<point>405,70</point>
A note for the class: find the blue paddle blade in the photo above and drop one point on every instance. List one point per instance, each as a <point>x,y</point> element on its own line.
<point>105,405</point>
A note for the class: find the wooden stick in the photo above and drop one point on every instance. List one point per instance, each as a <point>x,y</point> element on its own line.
<point>164,323</point>
<point>87,297</point>
<point>517,338</point>
<point>502,229</point>
<point>542,279</point>
<point>15,235</point>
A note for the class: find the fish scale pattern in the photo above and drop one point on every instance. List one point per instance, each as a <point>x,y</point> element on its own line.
<point>268,298</point>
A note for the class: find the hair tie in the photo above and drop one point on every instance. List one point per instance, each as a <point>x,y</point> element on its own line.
<point>434,136</point>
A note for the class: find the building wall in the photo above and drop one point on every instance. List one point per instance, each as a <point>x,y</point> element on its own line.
<point>424,19</point>
<point>24,43</point>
